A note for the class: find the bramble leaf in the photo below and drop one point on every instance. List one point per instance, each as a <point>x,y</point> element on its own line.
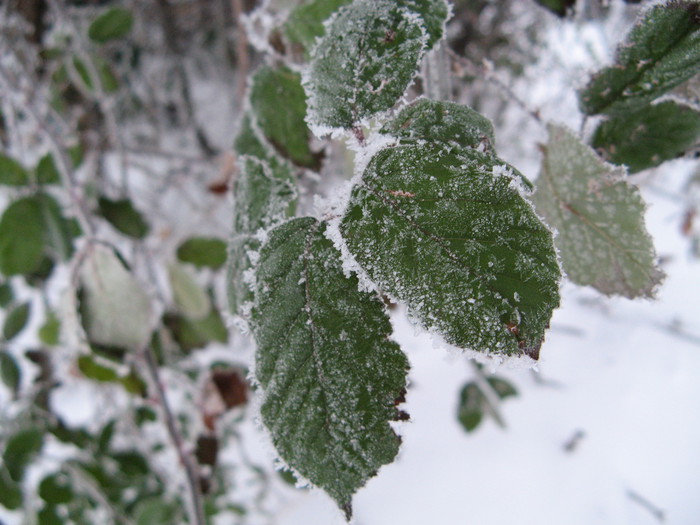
<point>15,321</point>
<point>116,311</point>
<point>364,62</point>
<point>123,216</point>
<point>282,124</point>
<point>600,218</point>
<point>329,371</point>
<point>114,23</point>
<point>647,137</point>
<point>203,252</point>
<point>661,51</point>
<point>446,230</point>
<point>433,13</point>
<point>10,372</point>
<point>21,237</point>
<point>305,23</point>
<point>438,121</point>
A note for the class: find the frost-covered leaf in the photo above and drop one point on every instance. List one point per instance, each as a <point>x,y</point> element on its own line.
<point>439,121</point>
<point>559,7</point>
<point>114,23</point>
<point>203,252</point>
<point>191,299</point>
<point>433,13</point>
<point>647,137</point>
<point>123,216</point>
<point>660,52</point>
<point>16,320</point>
<point>279,104</point>
<point>364,62</point>
<point>10,372</point>
<point>305,23</point>
<point>116,311</point>
<point>600,218</point>
<point>329,372</point>
<point>447,231</point>
<point>261,199</point>
<point>12,173</point>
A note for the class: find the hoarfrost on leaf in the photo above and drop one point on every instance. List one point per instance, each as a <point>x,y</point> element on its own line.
<point>329,372</point>
<point>364,62</point>
<point>600,219</point>
<point>435,228</point>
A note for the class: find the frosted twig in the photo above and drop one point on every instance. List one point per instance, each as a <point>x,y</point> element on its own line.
<point>196,508</point>
<point>655,511</point>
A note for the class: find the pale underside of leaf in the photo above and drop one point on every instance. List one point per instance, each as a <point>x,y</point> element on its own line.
<point>602,238</point>
<point>329,371</point>
<point>447,231</point>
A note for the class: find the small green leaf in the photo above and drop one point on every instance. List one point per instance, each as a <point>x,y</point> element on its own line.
<point>104,440</point>
<point>124,217</point>
<point>154,510</point>
<point>21,237</point>
<point>10,372</point>
<point>502,387</point>
<point>305,23</point>
<point>471,406</point>
<point>108,81</point>
<point>203,252</point>
<point>192,334</point>
<point>558,7</point>
<point>144,414</point>
<point>116,311</point>
<point>329,371</point>
<point>55,489</point>
<point>438,121</point>
<point>600,218</point>
<point>50,331</point>
<point>48,515</point>
<point>661,51</point>
<point>447,231</point>
<point>11,496</point>
<point>190,298</point>
<point>20,450</point>
<point>133,383</point>
<point>112,24</point>
<point>95,371</point>
<point>647,137</point>
<point>46,171</point>
<point>16,320</point>
<point>283,125</point>
<point>364,62</point>
<point>7,295</point>
<point>12,173</point>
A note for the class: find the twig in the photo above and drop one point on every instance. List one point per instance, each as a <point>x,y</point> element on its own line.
<point>655,511</point>
<point>196,508</point>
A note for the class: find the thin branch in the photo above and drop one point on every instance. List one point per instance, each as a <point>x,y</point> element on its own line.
<point>655,511</point>
<point>196,508</point>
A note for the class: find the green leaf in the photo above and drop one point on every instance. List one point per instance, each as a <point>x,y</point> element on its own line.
<point>108,80</point>
<point>124,217</point>
<point>58,231</point>
<point>112,24</point>
<point>143,415</point>
<point>191,334</point>
<point>364,63</point>
<point>190,298</point>
<point>21,237</point>
<point>471,406</point>
<point>661,51</point>
<point>20,450</point>
<point>647,137</point>
<point>12,173</point>
<point>283,124</point>
<point>154,510</point>
<point>7,295</point>
<point>46,171</point>
<point>48,515</point>
<point>600,218</point>
<point>558,7</point>
<point>329,371</point>
<point>50,331</point>
<point>434,14</point>
<point>10,372</point>
<point>55,489</point>
<point>116,311</point>
<point>438,121</point>
<point>502,387</point>
<point>11,496</point>
<point>16,320</point>
<point>95,371</point>
<point>203,252</point>
<point>447,231</point>
<point>305,23</point>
